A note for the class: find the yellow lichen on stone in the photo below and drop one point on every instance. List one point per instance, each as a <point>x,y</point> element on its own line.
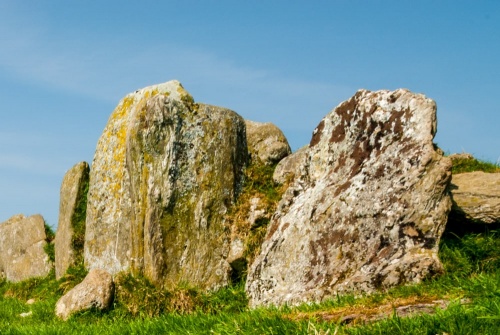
<point>118,131</point>
<point>148,207</point>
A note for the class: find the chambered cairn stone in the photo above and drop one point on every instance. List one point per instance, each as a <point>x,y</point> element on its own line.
<point>95,291</point>
<point>22,248</point>
<point>164,174</point>
<point>266,143</point>
<point>366,209</point>
<point>70,233</point>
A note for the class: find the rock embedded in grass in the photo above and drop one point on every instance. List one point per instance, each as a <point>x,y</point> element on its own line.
<point>366,208</point>
<point>95,291</point>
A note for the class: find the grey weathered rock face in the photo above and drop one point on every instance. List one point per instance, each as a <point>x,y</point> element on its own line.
<point>95,291</point>
<point>266,142</point>
<point>71,227</point>
<point>288,168</point>
<point>476,195</point>
<point>165,172</point>
<point>22,254</point>
<point>368,208</point>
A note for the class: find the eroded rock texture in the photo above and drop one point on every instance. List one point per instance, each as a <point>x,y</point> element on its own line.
<point>71,227</point>
<point>164,174</point>
<point>22,243</point>
<point>476,195</point>
<point>266,142</point>
<point>366,209</point>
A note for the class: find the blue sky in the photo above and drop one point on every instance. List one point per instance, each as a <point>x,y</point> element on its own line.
<point>65,65</point>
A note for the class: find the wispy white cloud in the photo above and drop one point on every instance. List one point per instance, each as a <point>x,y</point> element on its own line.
<point>23,139</point>
<point>107,70</point>
<point>29,163</point>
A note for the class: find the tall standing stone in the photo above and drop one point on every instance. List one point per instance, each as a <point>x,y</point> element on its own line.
<point>22,248</point>
<point>366,209</point>
<point>164,174</point>
<point>72,211</point>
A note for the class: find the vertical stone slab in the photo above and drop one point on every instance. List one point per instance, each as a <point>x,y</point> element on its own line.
<point>22,243</point>
<point>108,240</point>
<point>72,213</point>
<point>185,166</point>
<point>366,209</point>
<point>165,172</point>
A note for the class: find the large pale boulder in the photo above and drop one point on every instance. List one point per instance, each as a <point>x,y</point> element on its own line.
<point>367,210</point>
<point>164,174</point>
<point>476,195</point>
<point>22,243</point>
<point>266,142</point>
<point>95,291</point>
<point>72,209</point>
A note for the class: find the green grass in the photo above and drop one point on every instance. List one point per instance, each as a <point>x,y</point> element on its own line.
<point>258,183</point>
<point>472,274</point>
<point>461,165</point>
<point>49,238</point>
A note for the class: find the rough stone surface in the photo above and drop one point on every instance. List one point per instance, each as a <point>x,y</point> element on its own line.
<point>367,211</point>
<point>95,291</point>
<point>72,204</point>
<point>266,142</point>
<point>22,254</point>
<point>164,174</point>
<point>476,195</point>
<point>288,168</point>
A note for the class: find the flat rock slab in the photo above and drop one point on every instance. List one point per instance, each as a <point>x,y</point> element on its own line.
<point>366,209</point>
<point>22,243</point>
<point>477,196</point>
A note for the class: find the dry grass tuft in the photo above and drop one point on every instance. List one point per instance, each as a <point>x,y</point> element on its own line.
<point>360,314</point>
